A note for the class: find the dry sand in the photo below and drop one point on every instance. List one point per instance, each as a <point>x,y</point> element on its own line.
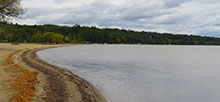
<point>25,78</point>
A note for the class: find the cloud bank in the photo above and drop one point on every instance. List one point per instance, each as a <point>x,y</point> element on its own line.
<point>200,17</point>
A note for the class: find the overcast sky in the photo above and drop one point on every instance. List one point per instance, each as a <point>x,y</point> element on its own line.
<point>176,16</point>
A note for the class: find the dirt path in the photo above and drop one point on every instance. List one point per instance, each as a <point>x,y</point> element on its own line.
<point>46,83</point>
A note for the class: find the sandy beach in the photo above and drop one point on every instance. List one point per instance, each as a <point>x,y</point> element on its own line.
<point>25,78</point>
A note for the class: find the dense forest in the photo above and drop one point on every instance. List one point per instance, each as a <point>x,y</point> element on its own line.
<point>81,34</point>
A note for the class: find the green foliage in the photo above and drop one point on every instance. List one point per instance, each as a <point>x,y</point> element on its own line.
<point>48,37</point>
<point>38,37</point>
<point>66,39</point>
<point>118,41</point>
<point>8,37</point>
<point>1,34</point>
<point>57,38</point>
<point>81,34</point>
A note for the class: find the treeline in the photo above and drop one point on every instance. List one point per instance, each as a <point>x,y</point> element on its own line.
<point>83,34</point>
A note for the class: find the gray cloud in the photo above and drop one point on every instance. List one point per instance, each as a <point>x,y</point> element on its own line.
<point>176,16</point>
<point>60,1</point>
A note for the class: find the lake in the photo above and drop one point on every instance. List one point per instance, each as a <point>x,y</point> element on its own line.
<point>144,73</point>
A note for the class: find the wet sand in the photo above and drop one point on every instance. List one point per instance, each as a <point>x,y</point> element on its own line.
<point>25,78</point>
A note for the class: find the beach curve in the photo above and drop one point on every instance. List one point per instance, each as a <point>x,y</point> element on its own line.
<point>55,84</point>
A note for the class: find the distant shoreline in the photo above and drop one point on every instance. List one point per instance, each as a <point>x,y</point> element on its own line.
<point>56,84</point>
<point>51,34</point>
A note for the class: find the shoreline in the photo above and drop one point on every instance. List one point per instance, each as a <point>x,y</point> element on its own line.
<point>56,84</point>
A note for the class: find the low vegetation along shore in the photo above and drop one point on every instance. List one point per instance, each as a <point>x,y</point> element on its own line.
<point>25,78</point>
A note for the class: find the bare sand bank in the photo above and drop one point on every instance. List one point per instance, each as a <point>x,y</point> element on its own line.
<point>25,78</point>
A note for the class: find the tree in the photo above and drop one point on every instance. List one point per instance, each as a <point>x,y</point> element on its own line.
<point>48,37</point>
<point>1,34</point>
<point>118,41</point>
<point>57,38</point>
<point>77,34</point>
<point>8,37</point>
<point>10,9</point>
<point>66,39</point>
<point>38,37</point>
<point>124,39</point>
<point>196,42</point>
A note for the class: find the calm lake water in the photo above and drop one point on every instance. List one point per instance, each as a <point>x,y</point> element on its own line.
<point>145,73</point>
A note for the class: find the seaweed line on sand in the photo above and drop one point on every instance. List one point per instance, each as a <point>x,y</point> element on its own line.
<point>58,78</point>
<point>23,82</point>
